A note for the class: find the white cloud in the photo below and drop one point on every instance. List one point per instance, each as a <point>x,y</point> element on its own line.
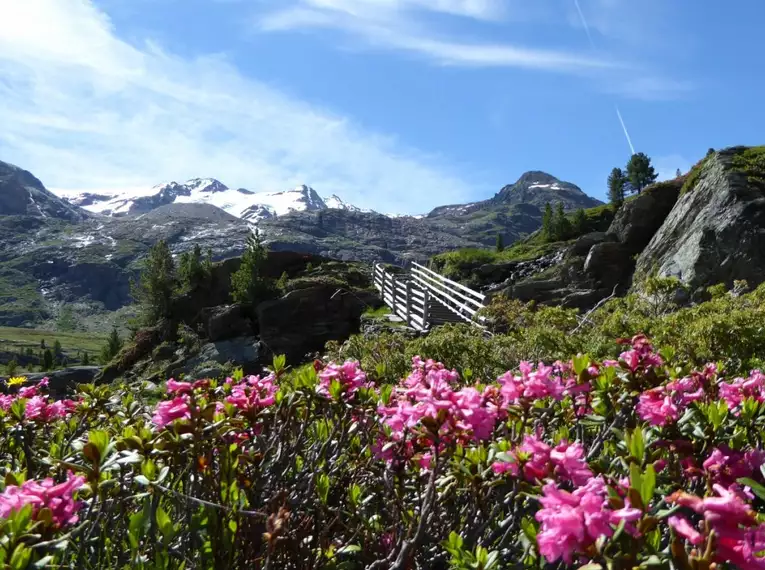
<point>393,24</point>
<point>83,109</point>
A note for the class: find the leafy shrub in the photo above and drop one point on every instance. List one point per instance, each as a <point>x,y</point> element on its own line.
<point>642,461</point>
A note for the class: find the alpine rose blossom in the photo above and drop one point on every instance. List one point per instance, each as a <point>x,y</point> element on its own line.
<point>253,393</point>
<point>734,393</point>
<point>170,410</point>
<point>539,461</point>
<point>571,522</point>
<point>740,537</point>
<point>44,494</point>
<point>349,375</point>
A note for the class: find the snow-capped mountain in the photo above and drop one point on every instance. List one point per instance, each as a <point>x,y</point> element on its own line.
<point>240,202</point>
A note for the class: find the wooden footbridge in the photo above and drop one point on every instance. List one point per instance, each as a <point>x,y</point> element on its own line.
<point>424,298</point>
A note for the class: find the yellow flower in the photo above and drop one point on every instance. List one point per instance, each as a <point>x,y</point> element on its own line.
<point>17,381</point>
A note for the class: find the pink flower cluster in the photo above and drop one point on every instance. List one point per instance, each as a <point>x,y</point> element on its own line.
<point>739,537</point>
<point>349,375</point>
<point>734,393</point>
<point>665,404</point>
<point>531,384</point>
<point>428,393</point>
<point>253,393</point>
<point>538,461</point>
<point>45,494</point>
<point>168,411</point>
<point>571,522</point>
<point>641,357</point>
<point>37,406</point>
<point>724,465</point>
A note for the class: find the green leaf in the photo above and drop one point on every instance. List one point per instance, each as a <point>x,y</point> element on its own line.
<point>757,489</point>
<point>636,444</point>
<point>280,363</point>
<point>20,557</point>
<point>581,363</point>
<point>636,477</point>
<point>648,486</point>
<point>322,487</point>
<point>349,549</point>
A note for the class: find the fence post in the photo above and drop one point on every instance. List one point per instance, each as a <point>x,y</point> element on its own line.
<point>408,301</point>
<point>393,288</point>
<point>426,310</point>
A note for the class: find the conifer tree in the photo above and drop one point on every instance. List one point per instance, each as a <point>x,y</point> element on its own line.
<point>500,243</point>
<point>112,347</point>
<point>616,181</point>
<point>47,360</point>
<point>154,291</point>
<point>547,223</point>
<point>248,284</point>
<point>640,172</point>
<point>580,222</point>
<point>561,224</point>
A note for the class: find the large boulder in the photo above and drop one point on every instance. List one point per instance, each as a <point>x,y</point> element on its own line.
<point>245,351</point>
<point>640,218</point>
<point>716,231</point>
<point>226,321</point>
<point>304,320</point>
<point>64,381</point>
<point>609,264</point>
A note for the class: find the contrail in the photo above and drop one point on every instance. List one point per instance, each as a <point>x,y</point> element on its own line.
<point>592,45</point>
<point>584,23</point>
<point>626,133</point>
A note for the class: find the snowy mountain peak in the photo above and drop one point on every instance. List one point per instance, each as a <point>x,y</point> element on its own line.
<point>205,185</point>
<point>240,202</point>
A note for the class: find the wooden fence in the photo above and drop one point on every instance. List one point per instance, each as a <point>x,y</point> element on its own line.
<point>423,297</point>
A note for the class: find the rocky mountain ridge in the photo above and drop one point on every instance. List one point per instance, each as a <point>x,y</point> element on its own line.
<point>63,253</point>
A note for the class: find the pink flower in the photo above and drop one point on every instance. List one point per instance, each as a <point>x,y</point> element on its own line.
<point>571,522</point>
<point>544,382</point>
<point>734,393</point>
<point>170,410</point>
<point>174,387</point>
<point>641,356</point>
<point>349,375</point>
<point>683,528</point>
<point>45,494</point>
<point>6,400</point>
<point>539,461</point>
<point>570,464</point>
<point>254,393</point>
<point>725,466</point>
<point>739,536</point>
<point>656,407</point>
<point>37,408</point>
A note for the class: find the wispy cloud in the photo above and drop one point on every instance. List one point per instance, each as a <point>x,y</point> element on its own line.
<point>397,25</point>
<point>82,108</point>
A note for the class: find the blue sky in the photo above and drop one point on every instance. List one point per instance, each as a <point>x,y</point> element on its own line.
<point>397,105</point>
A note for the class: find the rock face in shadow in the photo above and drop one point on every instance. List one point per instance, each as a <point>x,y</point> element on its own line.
<point>716,231</point>
<point>638,220</point>
<point>304,320</point>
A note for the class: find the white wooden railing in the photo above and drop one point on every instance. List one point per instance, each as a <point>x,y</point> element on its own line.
<point>461,300</point>
<point>422,297</point>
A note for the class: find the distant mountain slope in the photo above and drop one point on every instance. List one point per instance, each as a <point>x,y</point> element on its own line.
<point>53,251</point>
<point>23,194</point>
<point>533,188</point>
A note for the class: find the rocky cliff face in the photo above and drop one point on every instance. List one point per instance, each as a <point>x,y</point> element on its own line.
<point>704,228</point>
<point>716,231</point>
<point>22,194</point>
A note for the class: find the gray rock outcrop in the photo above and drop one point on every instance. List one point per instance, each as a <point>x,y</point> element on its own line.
<point>716,231</point>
